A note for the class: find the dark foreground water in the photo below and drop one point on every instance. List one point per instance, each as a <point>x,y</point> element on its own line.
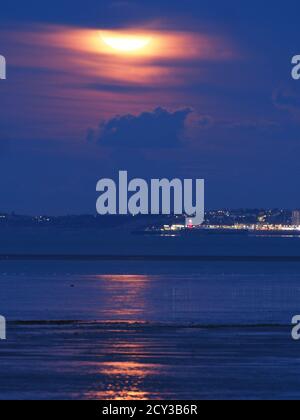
<point>149,330</point>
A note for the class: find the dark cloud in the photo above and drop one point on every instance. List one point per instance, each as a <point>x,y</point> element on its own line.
<point>157,129</point>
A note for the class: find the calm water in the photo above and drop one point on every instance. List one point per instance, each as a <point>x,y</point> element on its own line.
<point>149,330</point>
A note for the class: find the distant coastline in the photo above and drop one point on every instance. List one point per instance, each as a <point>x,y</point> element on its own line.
<point>227,217</point>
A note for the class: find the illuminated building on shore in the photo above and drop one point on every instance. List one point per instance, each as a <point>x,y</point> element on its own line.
<point>296,218</point>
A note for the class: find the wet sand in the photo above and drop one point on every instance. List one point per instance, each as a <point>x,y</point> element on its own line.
<point>138,361</point>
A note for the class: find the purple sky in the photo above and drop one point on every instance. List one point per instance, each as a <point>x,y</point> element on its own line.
<point>210,97</point>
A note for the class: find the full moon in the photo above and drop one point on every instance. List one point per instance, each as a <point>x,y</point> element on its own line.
<point>126,43</point>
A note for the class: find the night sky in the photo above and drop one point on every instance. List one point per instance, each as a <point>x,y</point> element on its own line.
<point>210,96</point>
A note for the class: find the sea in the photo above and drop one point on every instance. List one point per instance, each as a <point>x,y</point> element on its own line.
<point>149,329</point>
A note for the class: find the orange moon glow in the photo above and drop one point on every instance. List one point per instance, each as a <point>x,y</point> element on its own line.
<point>126,43</point>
